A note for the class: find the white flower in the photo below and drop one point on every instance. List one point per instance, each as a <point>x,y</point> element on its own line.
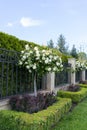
<point>46,61</point>
<point>35,48</point>
<point>43,58</point>
<point>30,71</point>
<point>50,60</point>
<point>37,54</point>
<point>55,68</point>
<point>31,52</point>
<point>61,66</point>
<point>20,62</point>
<point>57,63</point>
<point>43,51</point>
<point>27,47</point>
<point>37,58</point>
<point>23,58</point>
<point>26,63</point>
<point>22,52</point>
<point>34,66</point>
<point>47,53</point>
<point>55,57</point>
<point>49,69</point>
<point>51,56</point>
<point>27,66</point>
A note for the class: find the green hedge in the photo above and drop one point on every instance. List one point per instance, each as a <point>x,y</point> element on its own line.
<point>75,96</point>
<point>13,43</point>
<point>43,120</point>
<point>83,85</point>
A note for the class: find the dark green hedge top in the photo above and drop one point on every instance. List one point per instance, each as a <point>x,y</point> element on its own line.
<point>13,43</point>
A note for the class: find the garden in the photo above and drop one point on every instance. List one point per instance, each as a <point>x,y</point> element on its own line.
<point>21,74</point>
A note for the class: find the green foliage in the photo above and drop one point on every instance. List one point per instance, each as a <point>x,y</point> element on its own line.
<point>74,52</point>
<point>43,120</point>
<point>61,43</point>
<point>83,85</point>
<point>50,44</point>
<point>9,42</point>
<point>75,96</point>
<point>12,43</point>
<point>82,56</point>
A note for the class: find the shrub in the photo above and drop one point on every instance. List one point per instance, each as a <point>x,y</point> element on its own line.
<point>75,96</point>
<point>74,88</point>
<point>43,120</point>
<point>83,82</point>
<point>32,104</point>
<point>83,85</point>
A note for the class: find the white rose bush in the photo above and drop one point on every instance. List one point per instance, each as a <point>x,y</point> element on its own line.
<point>81,65</point>
<point>40,62</point>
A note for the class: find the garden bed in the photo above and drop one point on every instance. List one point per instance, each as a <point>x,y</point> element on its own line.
<point>75,96</point>
<point>43,120</point>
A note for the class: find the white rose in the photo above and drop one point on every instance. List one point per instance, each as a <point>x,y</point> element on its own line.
<point>55,68</point>
<point>27,47</point>
<point>20,62</point>
<point>35,48</point>
<point>50,60</point>
<point>27,66</point>
<point>49,69</point>
<point>22,52</point>
<point>24,57</point>
<point>43,51</point>
<point>51,56</point>
<point>46,61</point>
<point>43,58</point>
<point>30,71</point>
<point>34,66</point>
<point>55,57</point>
<point>30,52</point>
<point>57,63</point>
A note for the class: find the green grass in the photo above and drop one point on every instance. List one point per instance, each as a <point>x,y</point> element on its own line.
<point>75,120</point>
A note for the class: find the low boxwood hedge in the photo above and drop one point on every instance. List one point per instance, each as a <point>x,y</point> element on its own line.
<point>83,85</point>
<point>43,120</point>
<point>75,96</point>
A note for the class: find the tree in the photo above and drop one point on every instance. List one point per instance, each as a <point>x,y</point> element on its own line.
<point>74,52</point>
<point>40,61</point>
<point>61,44</point>
<point>82,56</point>
<point>50,44</point>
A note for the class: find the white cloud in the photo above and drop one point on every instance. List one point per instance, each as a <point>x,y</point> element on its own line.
<point>28,22</point>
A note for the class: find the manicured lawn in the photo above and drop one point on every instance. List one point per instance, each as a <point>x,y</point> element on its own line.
<point>75,120</point>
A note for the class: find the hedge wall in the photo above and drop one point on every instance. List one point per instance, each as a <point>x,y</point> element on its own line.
<point>12,43</point>
<point>83,85</point>
<point>75,96</point>
<point>43,120</point>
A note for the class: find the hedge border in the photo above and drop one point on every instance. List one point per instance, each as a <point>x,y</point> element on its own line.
<point>83,85</point>
<point>43,120</point>
<point>75,96</point>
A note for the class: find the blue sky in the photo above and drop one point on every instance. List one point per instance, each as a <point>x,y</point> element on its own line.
<point>41,20</point>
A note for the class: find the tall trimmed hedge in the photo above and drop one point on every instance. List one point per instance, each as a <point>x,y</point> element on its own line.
<point>13,43</point>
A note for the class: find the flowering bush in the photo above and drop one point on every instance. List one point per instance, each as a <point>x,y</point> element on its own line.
<point>81,65</point>
<point>41,61</point>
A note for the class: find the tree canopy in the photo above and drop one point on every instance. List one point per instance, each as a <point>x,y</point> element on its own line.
<point>61,44</point>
